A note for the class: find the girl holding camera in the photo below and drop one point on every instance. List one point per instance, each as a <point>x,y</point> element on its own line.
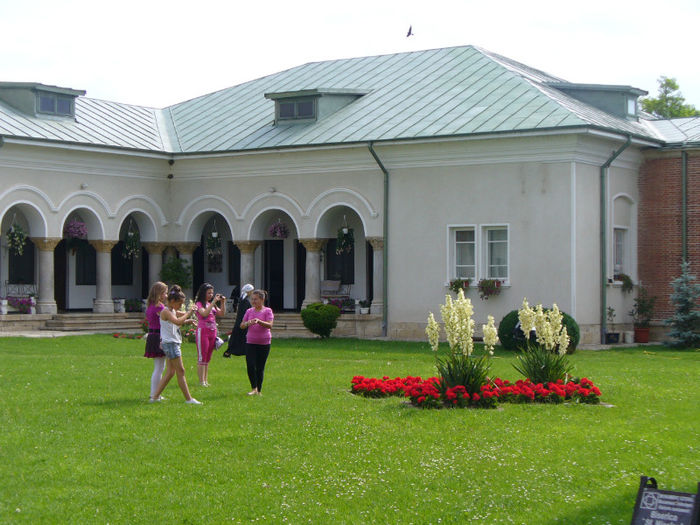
<point>208,306</point>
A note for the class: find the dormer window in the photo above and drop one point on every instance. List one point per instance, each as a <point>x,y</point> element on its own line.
<point>306,106</point>
<point>632,106</point>
<point>53,104</point>
<point>297,109</point>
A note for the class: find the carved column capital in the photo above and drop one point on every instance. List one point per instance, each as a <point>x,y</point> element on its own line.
<point>313,245</point>
<point>186,248</point>
<point>247,246</point>
<point>46,244</point>
<point>103,246</point>
<point>376,242</point>
<point>154,248</point>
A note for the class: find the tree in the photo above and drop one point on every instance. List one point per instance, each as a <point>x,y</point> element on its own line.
<point>670,103</point>
<point>685,323</point>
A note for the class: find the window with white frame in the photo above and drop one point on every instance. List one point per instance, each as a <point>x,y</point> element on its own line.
<point>620,263</point>
<point>464,253</point>
<point>495,240</point>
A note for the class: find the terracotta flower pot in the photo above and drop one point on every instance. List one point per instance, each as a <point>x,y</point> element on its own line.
<point>641,334</point>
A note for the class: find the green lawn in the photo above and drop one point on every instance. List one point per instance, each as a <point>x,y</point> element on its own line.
<point>81,444</point>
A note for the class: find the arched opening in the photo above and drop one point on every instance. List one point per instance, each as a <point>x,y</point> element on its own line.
<point>75,261</point>
<point>347,256</point>
<point>18,269</point>
<point>280,259</point>
<point>216,260</point>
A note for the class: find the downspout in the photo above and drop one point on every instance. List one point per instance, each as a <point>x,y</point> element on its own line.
<point>684,205</point>
<point>604,238</point>
<point>385,252</point>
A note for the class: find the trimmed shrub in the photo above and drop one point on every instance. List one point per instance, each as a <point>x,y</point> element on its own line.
<point>320,318</point>
<point>512,339</point>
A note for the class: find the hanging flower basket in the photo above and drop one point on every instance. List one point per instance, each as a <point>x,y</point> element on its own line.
<point>75,229</point>
<point>213,245</point>
<point>278,230</point>
<point>132,244</point>
<point>345,240</point>
<point>16,239</point>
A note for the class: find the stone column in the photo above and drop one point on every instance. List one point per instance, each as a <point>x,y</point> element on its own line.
<point>103,290</point>
<point>312,294</point>
<point>46,302</point>
<point>155,260</point>
<point>186,249</point>
<point>377,306</point>
<point>247,249</point>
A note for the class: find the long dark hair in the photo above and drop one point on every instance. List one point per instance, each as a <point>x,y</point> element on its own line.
<point>201,297</point>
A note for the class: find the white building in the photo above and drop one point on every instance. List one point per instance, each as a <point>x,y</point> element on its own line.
<point>445,163</point>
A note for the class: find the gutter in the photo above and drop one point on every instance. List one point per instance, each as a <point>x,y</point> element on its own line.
<point>604,238</point>
<point>385,252</point>
<point>684,205</point>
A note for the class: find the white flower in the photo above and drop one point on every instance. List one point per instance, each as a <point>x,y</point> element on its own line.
<point>490,334</point>
<point>433,332</point>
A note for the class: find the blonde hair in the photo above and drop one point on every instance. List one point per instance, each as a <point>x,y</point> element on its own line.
<point>155,292</point>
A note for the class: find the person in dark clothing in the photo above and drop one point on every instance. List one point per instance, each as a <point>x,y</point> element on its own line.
<point>237,341</point>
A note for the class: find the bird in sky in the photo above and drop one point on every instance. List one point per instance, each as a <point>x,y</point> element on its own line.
<point>410,31</point>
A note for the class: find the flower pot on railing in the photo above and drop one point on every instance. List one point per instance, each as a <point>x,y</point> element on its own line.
<point>119,306</point>
<point>3,306</point>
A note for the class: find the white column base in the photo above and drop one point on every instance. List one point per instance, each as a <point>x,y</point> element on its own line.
<point>377,308</point>
<point>102,307</point>
<point>46,307</point>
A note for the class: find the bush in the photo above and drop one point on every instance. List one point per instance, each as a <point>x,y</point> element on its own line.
<point>176,271</point>
<point>540,365</point>
<point>320,318</point>
<point>685,322</point>
<point>510,340</point>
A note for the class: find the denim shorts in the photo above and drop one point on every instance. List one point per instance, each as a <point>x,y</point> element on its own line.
<point>172,350</point>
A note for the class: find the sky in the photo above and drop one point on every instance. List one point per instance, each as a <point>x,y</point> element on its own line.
<point>157,53</point>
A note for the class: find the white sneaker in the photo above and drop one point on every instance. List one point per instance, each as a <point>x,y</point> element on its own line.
<point>193,401</point>
<point>152,400</point>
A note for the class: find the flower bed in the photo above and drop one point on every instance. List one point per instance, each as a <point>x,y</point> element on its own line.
<point>120,335</point>
<point>427,393</point>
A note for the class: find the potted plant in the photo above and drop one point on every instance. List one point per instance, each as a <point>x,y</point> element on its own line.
<point>626,281</point>
<point>132,244</point>
<point>458,284</point>
<point>345,240</point>
<point>364,306</point>
<point>488,288</point>
<point>213,245</point>
<point>642,312</point>
<point>278,230</point>
<point>612,337</point>
<point>16,239</point>
<point>74,231</point>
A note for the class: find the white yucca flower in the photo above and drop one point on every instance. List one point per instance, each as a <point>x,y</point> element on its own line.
<point>490,334</point>
<point>433,332</point>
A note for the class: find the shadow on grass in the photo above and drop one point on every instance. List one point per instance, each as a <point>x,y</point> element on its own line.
<point>115,403</point>
<point>614,510</point>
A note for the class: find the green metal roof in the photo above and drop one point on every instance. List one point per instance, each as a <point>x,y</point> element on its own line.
<point>416,95</point>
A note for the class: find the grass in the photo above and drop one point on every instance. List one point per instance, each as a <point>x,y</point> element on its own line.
<point>80,444</point>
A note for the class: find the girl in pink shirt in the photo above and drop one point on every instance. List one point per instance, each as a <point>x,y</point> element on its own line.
<point>258,320</point>
<point>207,311</point>
<point>156,299</point>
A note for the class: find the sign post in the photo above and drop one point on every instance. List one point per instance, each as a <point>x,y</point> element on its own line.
<point>664,507</point>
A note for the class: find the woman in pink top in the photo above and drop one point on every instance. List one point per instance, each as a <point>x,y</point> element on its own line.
<point>207,311</point>
<point>258,320</point>
<point>155,304</point>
